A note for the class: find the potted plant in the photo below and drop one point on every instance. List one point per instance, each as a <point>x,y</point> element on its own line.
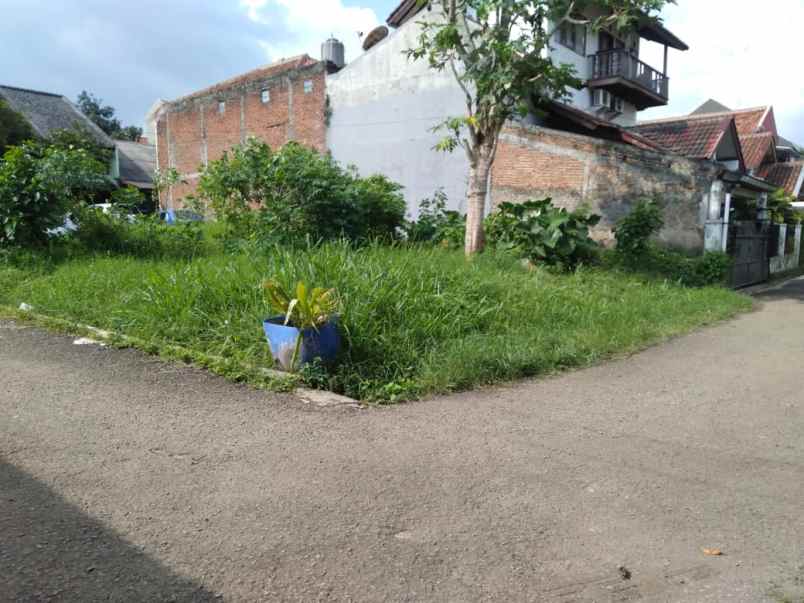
<point>306,327</point>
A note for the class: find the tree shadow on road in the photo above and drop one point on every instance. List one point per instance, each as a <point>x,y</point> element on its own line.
<point>52,551</point>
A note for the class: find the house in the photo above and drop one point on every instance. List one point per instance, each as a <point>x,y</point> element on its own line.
<point>745,142</point>
<point>131,163</point>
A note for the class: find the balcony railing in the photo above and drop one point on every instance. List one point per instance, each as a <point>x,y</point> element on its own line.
<point>620,63</point>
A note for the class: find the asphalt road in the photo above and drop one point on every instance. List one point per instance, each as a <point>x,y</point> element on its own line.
<point>123,478</point>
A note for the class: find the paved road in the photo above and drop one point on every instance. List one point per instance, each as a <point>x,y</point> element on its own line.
<point>126,479</point>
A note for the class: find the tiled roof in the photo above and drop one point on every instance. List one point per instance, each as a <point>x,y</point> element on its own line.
<point>787,176</point>
<point>48,113</point>
<point>757,148</point>
<point>297,62</point>
<point>137,163</point>
<point>696,137</point>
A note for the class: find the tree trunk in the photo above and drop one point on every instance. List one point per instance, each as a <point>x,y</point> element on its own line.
<point>479,171</point>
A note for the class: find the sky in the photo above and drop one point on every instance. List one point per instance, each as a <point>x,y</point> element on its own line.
<point>132,53</point>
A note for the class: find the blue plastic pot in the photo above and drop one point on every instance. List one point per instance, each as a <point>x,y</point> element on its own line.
<point>324,343</point>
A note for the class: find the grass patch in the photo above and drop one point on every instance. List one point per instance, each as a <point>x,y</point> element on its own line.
<point>417,321</point>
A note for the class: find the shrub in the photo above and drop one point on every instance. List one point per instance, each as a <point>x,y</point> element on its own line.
<point>543,233</point>
<point>300,194</point>
<point>146,237</point>
<point>436,224</point>
<point>39,185</point>
<point>634,231</point>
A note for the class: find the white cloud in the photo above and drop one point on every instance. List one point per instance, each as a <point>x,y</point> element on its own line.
<point>305,25</point>
<point>742,53</point>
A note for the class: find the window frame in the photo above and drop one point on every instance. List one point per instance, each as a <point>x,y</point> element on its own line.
<point>221,107</point>
<point>265,96</point>
<point>578,47</point>
<point>308,84</point>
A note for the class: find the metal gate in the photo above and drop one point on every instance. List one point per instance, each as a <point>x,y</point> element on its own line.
<point>748,247</point>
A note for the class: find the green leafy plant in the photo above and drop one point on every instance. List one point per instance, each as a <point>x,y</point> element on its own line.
<point>436,224</point>
<point>39,185</point>
<point>311,308</point>
<point>634,231</point>
<point>543,233</point>
<point>145,237</point>
<point>296,193</point>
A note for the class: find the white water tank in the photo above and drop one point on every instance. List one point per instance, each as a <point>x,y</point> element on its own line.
<point>333,53</point>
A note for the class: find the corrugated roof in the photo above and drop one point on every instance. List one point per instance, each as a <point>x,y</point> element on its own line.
<point>137,163</point>
<point>48,113</point>
<point>297,62</point>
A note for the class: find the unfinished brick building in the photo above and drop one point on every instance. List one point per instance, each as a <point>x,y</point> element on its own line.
<point>278,103</point>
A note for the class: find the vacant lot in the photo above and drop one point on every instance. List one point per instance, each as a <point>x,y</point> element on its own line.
<point>416,321</point>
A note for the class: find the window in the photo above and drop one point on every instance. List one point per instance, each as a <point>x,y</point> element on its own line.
<point>573,36</point>
<point>308,86</point>
<point>603,99</point>
<point>265,96</point>
<point>221,107</point>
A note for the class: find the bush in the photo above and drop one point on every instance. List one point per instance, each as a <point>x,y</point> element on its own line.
<point>436,224</point>
<point>300,194</point>
<point>543,233</point>
<point>146,237</point>
<point>39,185</point>
<point>634,231</point>
<point>711,268</point>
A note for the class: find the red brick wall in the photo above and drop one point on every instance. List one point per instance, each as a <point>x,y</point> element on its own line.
<point>193,130</point>
<point>608,178</point>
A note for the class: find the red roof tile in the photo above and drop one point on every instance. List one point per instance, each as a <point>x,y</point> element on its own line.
<point>787,176</point>
<point>758,149</point>
<point>696,137</point>
<point>297,62</point>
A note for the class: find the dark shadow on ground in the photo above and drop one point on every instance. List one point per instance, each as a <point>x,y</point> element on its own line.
<point>51,551</point>
<point>791,290</point>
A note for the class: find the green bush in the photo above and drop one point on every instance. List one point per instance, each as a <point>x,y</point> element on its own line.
<point>543,233</point>
<point>299,194</point>
<point>39,185</point>
<point>436,224</point>
<point>634,231</point>
<point>145,237</point>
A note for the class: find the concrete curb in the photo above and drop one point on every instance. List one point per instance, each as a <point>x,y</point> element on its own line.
<point>319,398</point>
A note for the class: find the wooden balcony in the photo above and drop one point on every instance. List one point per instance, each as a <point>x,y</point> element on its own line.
<point>624,75</point>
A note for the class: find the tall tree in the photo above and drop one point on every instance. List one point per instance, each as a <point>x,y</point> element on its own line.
<point>104,117</point>
<point>14,128</point>
<point>498,51</point>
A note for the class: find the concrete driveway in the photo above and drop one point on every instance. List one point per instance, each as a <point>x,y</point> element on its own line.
<point>126,479</point>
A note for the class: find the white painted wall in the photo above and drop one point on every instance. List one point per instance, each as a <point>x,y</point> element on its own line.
<point>383,108</point>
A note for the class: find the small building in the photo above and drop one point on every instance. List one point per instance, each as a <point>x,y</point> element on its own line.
<point>132,163</point>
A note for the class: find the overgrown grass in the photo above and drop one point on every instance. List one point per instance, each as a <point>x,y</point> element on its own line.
<point>417,321</point>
